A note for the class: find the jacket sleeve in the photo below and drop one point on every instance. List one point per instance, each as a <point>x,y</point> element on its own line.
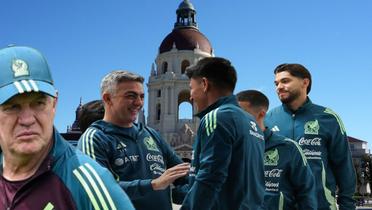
<point>302,179</point>
<point>97,189</point>
<point>341,162</point>
<point>94,144</point>
<point>215,156</point>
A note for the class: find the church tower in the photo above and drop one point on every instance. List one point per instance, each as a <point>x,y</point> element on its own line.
<point>168,86</point>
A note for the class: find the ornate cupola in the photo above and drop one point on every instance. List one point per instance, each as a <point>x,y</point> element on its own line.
<point>185,15</point>
<point>185,34</point>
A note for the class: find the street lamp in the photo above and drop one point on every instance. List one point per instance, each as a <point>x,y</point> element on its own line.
<point>362,185</point>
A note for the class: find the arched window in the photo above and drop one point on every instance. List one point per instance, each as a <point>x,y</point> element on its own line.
<point>184,65</point>
<point>184,105</point>
<point>185,110</point>
<point>165,67</point>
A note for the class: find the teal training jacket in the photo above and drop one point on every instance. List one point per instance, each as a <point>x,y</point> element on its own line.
<point>227,167</point>
<point>135,156</point>
<point>322,136</point>
<point>289,182</point>
<point>67,180</point>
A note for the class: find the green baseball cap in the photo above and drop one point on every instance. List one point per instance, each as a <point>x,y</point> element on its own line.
<point>23,70</point>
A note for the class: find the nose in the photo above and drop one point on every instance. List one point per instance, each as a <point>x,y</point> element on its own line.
<point>279,86</point>
<point>26,117</point>
<point>138,101</point>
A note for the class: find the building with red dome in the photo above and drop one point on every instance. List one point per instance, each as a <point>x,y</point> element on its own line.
<point>168,86</point>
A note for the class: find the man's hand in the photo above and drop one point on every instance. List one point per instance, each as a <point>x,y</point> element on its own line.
<point>170,175</point>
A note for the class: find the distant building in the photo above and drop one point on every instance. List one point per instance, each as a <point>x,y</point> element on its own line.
<point>73,132</point>
<point>358,147</point>
<point>168,86</point>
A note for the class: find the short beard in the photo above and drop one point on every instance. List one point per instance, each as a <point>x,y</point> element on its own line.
<point>291,97</point>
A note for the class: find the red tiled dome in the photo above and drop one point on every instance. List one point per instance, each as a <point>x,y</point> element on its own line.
<point>185,39</point>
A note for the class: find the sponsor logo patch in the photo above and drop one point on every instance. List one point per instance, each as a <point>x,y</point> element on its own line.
<point>253,125</point>
<point>121,146</point>
<point>310,142</point>
<point>155,168</point>
<point>275,128</point>
<point>119,161</point>
<point>155,158</point>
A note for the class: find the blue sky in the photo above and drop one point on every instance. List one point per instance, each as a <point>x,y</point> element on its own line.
<point>83,40</point>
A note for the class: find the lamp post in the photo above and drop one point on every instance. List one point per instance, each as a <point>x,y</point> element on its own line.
<point>362,185</point>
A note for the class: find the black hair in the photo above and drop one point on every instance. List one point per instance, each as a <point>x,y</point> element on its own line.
<point>218,71</point>
<point>255,98</point>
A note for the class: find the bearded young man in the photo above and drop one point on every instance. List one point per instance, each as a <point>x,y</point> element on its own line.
<point>320,133</point>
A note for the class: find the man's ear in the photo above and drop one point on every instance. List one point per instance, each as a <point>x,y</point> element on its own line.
<point>206,84</point>
<point>106,98</point>
<point>306,82</point>
<point>262,114</point>
<point>55,100</point>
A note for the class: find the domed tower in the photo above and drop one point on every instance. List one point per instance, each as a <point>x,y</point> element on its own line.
<point>168,86</point>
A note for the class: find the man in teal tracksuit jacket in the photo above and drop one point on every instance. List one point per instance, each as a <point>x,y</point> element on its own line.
<point>141,161</point>
<point>68,180</point>
<point>289,181</point>
<point>135,156</point>
<point>320,133</point>
<point>38,168</point>
<point>227,166</point>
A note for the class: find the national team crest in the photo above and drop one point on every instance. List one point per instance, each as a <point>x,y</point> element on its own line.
<point>20,68</point>
<point>150,144</point>
<point>271,158</point>
<point>312,127</point>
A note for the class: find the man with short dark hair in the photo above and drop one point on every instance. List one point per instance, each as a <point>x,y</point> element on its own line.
<point>289,181</point>
<point>227,166</point>
<point>143,163</point>
<point>320,133</point>
<point>38,168</point>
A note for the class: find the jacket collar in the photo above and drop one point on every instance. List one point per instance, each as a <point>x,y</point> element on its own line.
<point>231,99</point>
<point>271,139</point>
<point>302,108</point>
<point>108,127</point>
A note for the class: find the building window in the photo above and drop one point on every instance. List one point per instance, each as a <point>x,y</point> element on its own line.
<point>184,65</point>
<point>165,67</point>
<point>159,93</point>
<point>158,112</point>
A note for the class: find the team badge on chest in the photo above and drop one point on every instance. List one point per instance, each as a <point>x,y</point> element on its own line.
<point>271,158</point>
<point>312,127</point>
<point>150,144</point>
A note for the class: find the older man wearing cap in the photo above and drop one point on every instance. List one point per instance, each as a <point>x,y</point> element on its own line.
<point>38,168</point>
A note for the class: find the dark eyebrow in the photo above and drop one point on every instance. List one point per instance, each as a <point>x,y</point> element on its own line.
<point>133,92</point>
